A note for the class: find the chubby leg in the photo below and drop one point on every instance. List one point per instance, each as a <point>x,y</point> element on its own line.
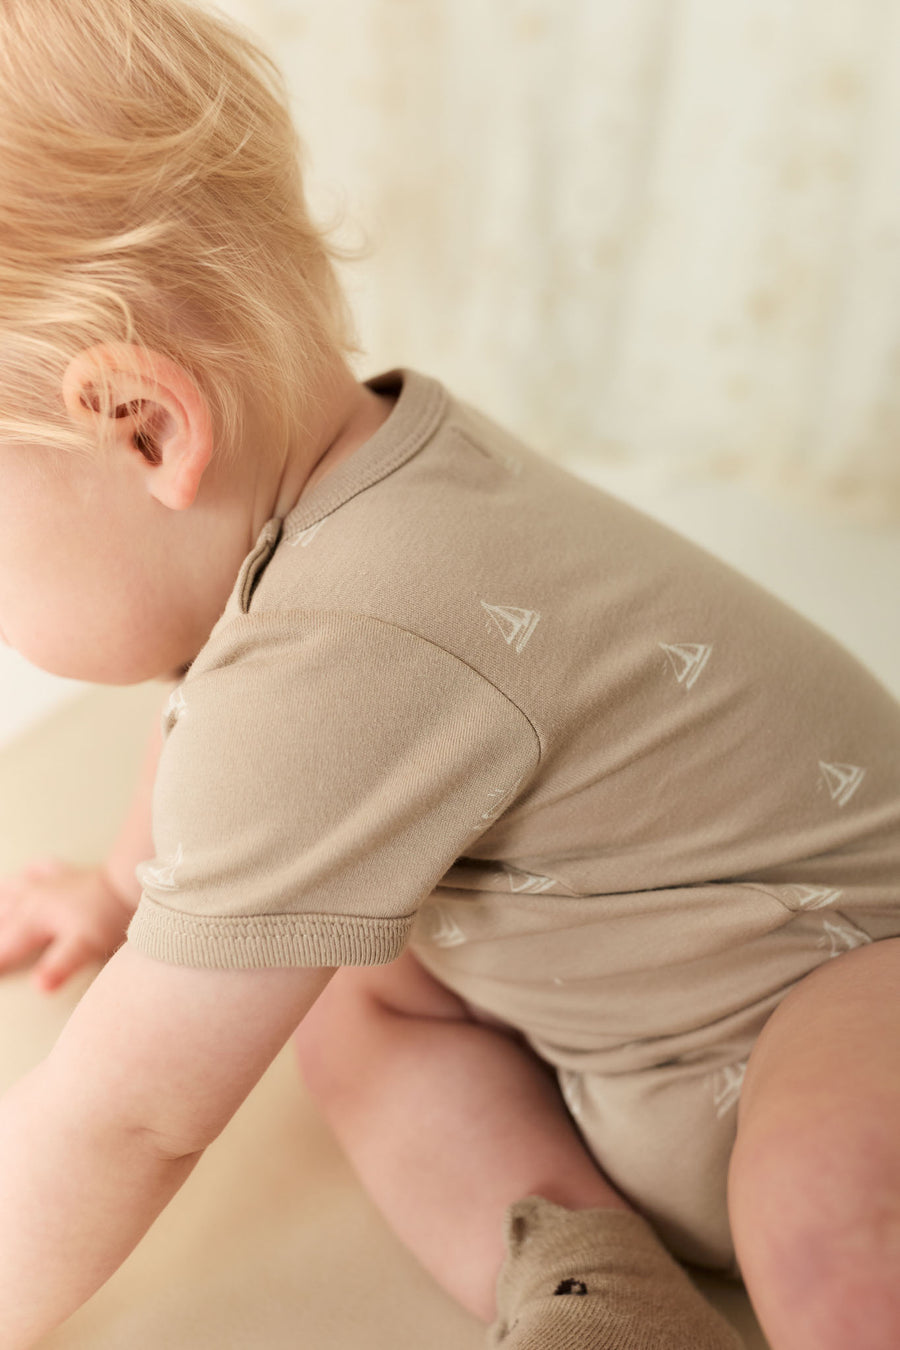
<point>461,1137</point>
<point>814,1183</point>
<point>447,1120</point>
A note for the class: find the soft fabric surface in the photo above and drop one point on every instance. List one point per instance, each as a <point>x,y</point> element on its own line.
<point>271,1244</point>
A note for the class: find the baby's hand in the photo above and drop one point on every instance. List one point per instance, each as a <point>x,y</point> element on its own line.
<point>73,915</point>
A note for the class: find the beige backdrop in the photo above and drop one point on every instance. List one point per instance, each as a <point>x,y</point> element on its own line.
<point>653,229</point>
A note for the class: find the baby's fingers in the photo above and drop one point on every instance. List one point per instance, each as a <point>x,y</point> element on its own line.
<point>62,958</point>
<point>18,941</point>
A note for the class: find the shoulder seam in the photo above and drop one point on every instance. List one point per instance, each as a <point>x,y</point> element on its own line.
<point>274,618</point>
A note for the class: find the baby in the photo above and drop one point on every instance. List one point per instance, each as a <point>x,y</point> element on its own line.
<point>573,855</point>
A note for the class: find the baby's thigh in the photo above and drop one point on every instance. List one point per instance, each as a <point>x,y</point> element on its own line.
<point>402,988</point>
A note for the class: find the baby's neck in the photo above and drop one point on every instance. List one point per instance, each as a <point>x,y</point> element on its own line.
<point>352,415</point>
<point>369,411</point>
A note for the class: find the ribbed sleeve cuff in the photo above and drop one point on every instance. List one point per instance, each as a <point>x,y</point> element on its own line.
<point>253,942</point>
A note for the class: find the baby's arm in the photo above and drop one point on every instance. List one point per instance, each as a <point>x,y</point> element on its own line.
<point>96,1140</point>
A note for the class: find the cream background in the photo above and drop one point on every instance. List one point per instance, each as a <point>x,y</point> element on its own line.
<point>657,230</point>
<point>658,238</point>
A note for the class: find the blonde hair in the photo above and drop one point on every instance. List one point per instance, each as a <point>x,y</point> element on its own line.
<point>151,193</point>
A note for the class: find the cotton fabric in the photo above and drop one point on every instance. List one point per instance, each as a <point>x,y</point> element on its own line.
<point>606,788</point>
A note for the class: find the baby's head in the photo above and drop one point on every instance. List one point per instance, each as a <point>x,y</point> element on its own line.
<point>152,219</point>
<point>150,193</point>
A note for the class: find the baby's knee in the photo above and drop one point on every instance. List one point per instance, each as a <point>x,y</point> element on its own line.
<point>834,1287</point>
<point>816,1224</point>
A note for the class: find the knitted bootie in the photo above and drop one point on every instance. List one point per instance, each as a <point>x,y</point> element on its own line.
<point>597,1279</point>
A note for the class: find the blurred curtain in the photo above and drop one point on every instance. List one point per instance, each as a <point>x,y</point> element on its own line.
<point>658,231</point>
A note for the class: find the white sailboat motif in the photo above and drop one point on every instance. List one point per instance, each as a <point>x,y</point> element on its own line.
<point>175,708</point>
<point>571,1087</point>
<point>531,882</point>
<point>442,930</point>
<point>842,780</point>
<point>305,537</point>
<point>688,660</point>
<point>811,897</point>
<point>498,796</point>
<point>842,938</point>
<point>515,624</point>
<point>727,1084</point>
<point>162,876</point>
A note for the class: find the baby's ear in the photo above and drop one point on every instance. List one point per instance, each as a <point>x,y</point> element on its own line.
<point>144,403</point>
<point>102,380</point>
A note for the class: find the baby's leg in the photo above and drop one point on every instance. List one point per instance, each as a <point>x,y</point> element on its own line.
<point>814,1184</point>
<point>461,1137</point>
<point>446,1120</point>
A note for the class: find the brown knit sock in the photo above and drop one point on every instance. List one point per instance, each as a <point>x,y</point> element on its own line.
<point>596,1279</point>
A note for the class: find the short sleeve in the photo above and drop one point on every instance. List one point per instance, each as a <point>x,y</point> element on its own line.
<point>320,773</point>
